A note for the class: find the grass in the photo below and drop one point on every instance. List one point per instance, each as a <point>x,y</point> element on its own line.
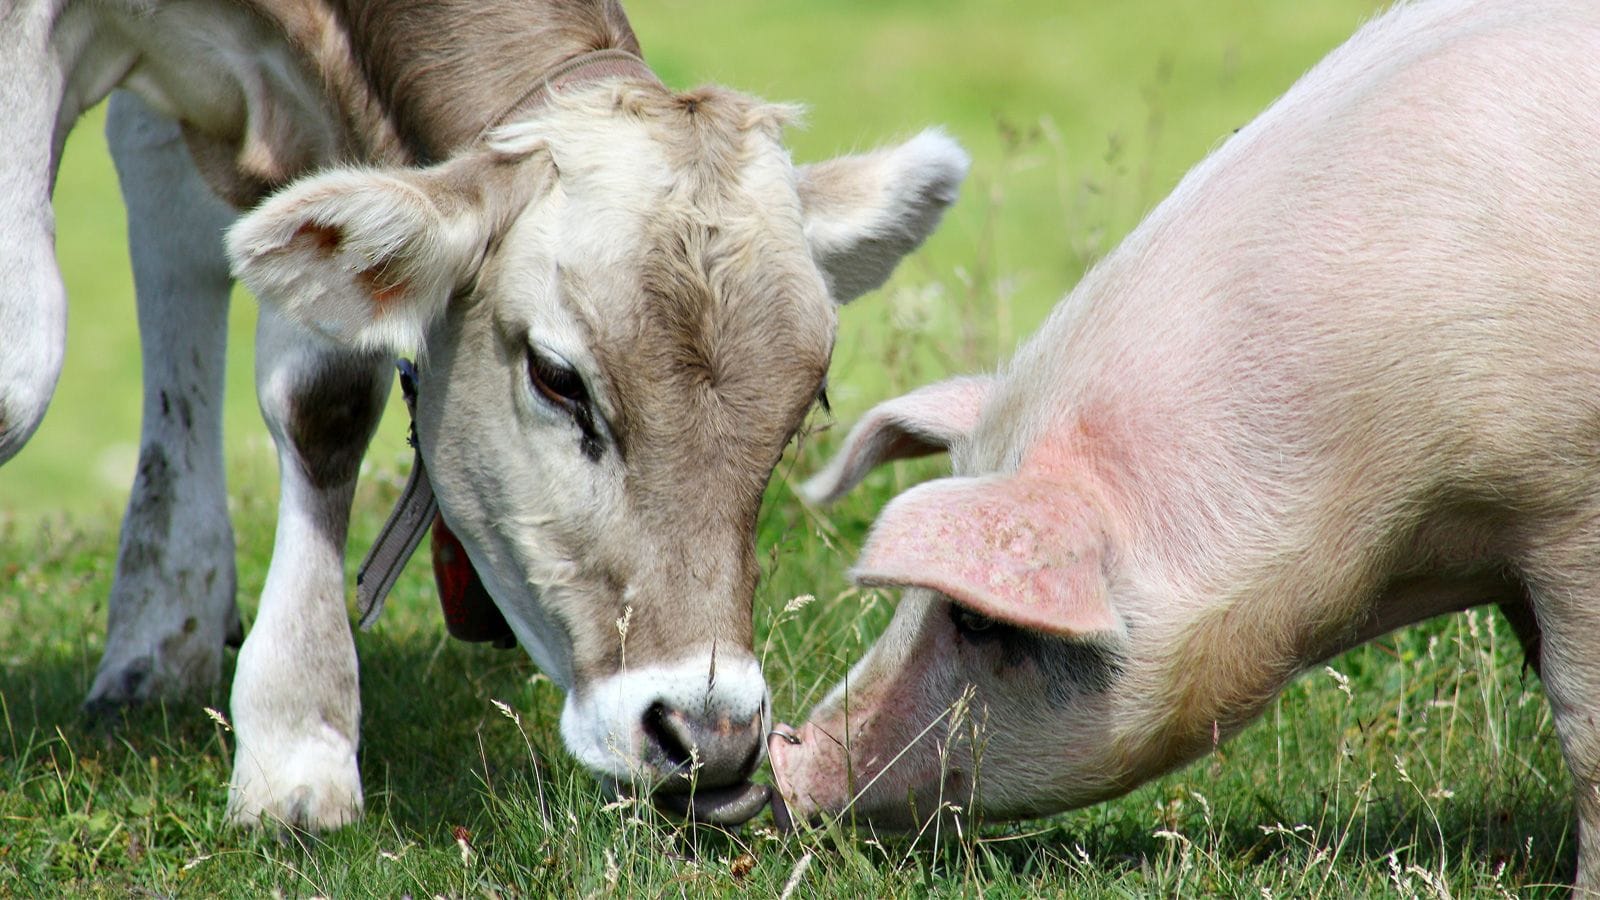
<point>1426,766</point>
<point>1423,764</point>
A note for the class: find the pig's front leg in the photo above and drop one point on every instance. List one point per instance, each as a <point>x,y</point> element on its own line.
<point>1566,601</point>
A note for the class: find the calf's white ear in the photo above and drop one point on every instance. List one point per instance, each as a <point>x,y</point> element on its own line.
<point>928,420</point>
<point>1014,548</point>
<point>863,213</point>
<point>369,257</point>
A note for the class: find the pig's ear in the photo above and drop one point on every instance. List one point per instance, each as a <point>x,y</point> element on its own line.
<point>863,213</point>
<point>927,420</point>
<point>1014,548</point>
<point>369,257</point>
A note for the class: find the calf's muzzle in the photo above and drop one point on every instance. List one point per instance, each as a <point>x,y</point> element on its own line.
<point>712,758</point>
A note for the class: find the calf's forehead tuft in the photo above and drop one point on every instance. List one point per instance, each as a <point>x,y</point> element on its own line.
<point>710,323</point>
<point>706,136</point>
<point>729,332</point>
<point>722,350</point>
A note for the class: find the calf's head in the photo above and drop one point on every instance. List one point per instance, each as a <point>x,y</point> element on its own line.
<point>994,688</point>
<point>624,308</point>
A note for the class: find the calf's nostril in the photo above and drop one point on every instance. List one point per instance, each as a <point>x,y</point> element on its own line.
<point>748,767</point>
<point>721,751</point>
<point>661,729</point>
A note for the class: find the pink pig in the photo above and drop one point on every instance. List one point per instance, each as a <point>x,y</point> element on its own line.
<point>1346,378</point>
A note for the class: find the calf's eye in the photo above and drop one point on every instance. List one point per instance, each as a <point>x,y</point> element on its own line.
<point>556,381</point>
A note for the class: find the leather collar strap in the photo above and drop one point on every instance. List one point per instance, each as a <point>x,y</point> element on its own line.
<point>413,513</point>
<point>469,612</point>
<point>597,65</point>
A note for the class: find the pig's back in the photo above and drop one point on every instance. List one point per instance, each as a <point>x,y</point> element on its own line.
<point>1385,288</point>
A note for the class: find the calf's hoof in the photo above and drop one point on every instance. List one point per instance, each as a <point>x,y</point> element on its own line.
<point>313,787</point>
<point>176,667</point>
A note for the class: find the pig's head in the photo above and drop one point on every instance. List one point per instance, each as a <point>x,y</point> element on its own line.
<point>992,689</point>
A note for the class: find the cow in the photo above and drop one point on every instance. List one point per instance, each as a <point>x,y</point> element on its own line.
<point>1341,380</point>
<point>621,298</point>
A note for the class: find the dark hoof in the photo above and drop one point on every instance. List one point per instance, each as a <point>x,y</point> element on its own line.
<point>119,695</point>
<point>105,714</point>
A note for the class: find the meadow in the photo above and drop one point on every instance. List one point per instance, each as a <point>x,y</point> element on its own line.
<point>1424,764</point>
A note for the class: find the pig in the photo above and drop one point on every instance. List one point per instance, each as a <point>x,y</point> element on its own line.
<point>1344,379</point>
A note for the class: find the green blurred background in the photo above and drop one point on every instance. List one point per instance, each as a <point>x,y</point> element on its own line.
<point>1424,763</point>
<point>1079,116</point>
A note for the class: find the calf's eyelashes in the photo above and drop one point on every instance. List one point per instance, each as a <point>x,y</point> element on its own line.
<point>557,383</point>
<point>555,379</point>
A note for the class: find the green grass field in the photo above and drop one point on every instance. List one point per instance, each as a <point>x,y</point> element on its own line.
<point>1427,766</point>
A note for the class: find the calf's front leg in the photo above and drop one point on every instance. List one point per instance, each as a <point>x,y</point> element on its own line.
<point>172,602</point>
<point>296,704</point>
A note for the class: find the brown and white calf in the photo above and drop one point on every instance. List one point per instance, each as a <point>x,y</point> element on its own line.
<point>622,299</point>
<point>1344,379</point>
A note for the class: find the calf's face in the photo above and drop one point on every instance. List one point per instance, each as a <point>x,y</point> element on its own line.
<point>625,308</point>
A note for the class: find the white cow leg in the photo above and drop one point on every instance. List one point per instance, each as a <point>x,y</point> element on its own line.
<point>296,704</point>
<point>172,603</point>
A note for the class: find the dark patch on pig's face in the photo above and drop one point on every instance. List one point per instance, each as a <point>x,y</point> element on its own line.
<point>1068,667</point>
<point>1071,667</point>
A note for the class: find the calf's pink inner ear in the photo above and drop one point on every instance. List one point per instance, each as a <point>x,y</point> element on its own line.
<point>379,283</point>
<point>1016,548</point>
<point>370,257</point>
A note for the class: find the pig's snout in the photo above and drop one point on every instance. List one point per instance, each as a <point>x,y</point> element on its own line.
<point>789,749</point>
<point>780,741</point>
<point>815,779</point>
<point>782,732</point>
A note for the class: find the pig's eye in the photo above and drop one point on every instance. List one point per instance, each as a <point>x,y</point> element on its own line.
<point>972,626</point>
